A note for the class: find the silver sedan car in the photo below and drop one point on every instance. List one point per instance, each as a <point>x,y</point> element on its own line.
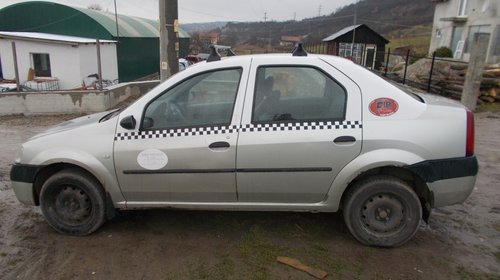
<point>274,132</point>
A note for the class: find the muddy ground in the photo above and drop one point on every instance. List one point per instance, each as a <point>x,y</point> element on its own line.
<point>461,241</point>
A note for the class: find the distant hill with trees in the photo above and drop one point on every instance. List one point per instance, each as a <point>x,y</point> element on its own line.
<point>391,18</point>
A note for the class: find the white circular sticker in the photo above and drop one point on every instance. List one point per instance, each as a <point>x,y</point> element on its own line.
<point>152,159</point>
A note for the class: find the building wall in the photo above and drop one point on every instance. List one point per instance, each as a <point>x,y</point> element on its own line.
<point>88,61</point>
<point>69,64</point>
<point>478,12</point>
<point>69,102</point>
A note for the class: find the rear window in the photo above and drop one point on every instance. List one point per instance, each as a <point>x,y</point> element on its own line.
<point>413,92</point>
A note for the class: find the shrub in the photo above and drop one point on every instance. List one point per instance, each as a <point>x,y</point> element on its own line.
<point>444,52</point>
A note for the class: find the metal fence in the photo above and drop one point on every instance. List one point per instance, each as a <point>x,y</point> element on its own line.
<point>426,74</point>
<point>443,76</point>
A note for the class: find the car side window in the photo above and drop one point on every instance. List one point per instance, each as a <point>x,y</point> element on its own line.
<point>296,93</point>
<point>202,100</point>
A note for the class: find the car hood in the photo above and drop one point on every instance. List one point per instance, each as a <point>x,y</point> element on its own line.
<point>72,124</point>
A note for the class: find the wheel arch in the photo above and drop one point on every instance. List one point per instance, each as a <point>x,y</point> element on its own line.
<point>402,173</point>
<point>55,160</point>
<point>391,162</point>
<point>47,171</point>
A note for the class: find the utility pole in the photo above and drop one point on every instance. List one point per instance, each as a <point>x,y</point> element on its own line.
<point>294,16</point>
<point>319,10</point>
<point>169,45</point>
<point>354,30</point>
<point>265,16</point>
<point>474,73</point>
<point>116,21</point>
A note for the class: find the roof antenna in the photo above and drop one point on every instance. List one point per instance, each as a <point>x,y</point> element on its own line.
<point>214,54</point>
<point>230,53</point>
<point>299,50</point>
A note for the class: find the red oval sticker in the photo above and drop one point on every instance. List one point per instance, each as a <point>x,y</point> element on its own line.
<point>383,107</point>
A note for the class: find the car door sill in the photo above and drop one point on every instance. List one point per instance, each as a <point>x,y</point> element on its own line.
<point>253,206</point>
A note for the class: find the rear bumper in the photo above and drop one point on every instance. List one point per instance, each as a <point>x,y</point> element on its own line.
<point>450,181</point>
<point>451,191</point>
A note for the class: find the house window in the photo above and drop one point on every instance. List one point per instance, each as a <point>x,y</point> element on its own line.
<point>455,37</point>
<point>354,52</point>
<point>41,64</point>
<point>462,8</point>
<point>473,29</point>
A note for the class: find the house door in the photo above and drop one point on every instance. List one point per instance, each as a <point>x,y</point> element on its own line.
<point>370,56</point>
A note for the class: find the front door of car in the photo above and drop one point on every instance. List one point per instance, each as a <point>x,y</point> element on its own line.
<point>303,127</point>
<point>185,147</point>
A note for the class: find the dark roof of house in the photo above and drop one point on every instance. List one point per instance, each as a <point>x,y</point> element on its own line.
<point>348,29</point>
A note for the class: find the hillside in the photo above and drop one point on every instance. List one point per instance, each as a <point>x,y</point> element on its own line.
<point>389,17</point>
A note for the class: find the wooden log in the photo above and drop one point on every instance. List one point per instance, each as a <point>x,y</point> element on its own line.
<point>493,92</point>
<point>459,66</point>
<point>317,273</point>
<point>494,72</point>
<point>490,81</point>
<point>488,99</point>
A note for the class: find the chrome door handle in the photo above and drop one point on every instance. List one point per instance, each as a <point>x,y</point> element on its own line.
<point>344,139</point>
<point>220,144</point>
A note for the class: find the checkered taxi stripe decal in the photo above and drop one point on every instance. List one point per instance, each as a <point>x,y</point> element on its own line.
<point>197,131</point>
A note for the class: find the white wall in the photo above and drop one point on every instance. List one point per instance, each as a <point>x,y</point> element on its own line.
<point>68,63</point>
<point>88,61</point>
<point>479,12</point>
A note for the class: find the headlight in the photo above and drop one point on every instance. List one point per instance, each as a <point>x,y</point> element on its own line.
<point>19,153</point>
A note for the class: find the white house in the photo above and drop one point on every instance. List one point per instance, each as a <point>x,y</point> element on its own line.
<point>55,59</point>
<point>456,22</point>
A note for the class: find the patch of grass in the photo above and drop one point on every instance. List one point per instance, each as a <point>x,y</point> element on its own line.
<point>257,250</point>
<point>497,255</point>
<point>318,256</point>
<point>468,274</point>
<point>440,261</point>
<point>496,226</point>
<point>421,43</point>
<point>2,254</point>
<point>223,269</point>
<point>488,107</point>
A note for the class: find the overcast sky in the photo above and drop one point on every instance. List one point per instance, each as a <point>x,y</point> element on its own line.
<point>216,10</point>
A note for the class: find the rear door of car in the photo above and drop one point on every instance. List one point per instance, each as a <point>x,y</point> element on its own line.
<point>301,125</point>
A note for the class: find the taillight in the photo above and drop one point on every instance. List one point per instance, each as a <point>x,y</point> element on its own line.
<point>469,146</point>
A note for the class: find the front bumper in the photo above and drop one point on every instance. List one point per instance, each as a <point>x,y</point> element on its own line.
<point>450,181</point>
<point>22,177</point>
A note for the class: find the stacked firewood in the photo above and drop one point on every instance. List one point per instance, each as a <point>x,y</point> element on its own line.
<point>490,85</point>
<point>448,79</point>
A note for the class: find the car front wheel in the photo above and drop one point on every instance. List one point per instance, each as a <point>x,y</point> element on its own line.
<point>382,211</point>
<point>73,202</point>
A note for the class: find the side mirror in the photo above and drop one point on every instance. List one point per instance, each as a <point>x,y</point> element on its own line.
<point>147,123</point>
<point>128,122</point>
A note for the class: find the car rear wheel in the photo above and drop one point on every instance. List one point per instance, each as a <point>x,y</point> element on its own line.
<point>73,202</point>
<point>382,211</point>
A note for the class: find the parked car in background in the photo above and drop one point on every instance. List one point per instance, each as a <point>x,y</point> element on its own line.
<point>273,132</point>
<point>183,64</point>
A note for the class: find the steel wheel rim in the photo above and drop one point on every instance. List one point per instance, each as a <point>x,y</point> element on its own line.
<point>383,214</point>
<point>72,205</point>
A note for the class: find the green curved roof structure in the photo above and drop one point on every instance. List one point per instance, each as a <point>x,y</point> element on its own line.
<point>138,38</point>
<point>41,16</point>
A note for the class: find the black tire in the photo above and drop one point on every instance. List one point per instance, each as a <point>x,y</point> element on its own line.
<point>382,211</point>
<point>73,202</point>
